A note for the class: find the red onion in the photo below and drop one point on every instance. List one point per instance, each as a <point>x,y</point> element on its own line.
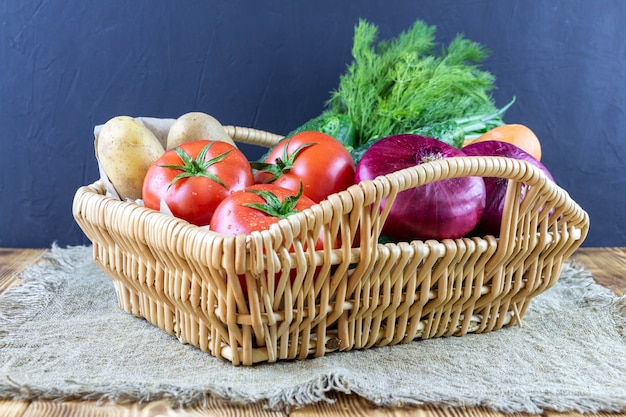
<point>448,208</point>
<point>496,187</point>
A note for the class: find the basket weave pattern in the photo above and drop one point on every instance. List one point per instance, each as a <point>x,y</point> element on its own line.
<point>355,293</point>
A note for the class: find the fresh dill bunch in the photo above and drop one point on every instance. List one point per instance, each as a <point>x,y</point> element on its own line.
<point>401,85</point>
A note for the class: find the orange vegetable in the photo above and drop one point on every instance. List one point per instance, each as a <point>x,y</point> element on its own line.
<point>516,134</point>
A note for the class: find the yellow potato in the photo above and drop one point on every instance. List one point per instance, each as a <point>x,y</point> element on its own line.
<point>125,149</point>
<point>196,126</point>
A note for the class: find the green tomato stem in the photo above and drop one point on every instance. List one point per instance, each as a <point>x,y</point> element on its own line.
<point>282,164</point>
<point>196,167</point>
<point>273,206</point>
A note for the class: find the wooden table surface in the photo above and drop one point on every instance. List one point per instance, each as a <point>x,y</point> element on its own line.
<point>608,266</point>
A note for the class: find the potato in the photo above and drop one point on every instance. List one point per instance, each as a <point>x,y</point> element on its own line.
<point>196,126</point>
<point>125,149</point>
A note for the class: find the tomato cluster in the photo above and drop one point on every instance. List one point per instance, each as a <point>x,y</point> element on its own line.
<point>194,177</point>
<point>211,183</point>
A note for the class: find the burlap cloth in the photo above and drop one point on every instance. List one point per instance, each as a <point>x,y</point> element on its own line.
<point>62,336</point>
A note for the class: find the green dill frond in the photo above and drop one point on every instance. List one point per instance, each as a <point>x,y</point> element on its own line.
<point>400,85</point>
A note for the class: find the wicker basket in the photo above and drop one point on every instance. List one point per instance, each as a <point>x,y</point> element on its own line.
<point>184,279</point>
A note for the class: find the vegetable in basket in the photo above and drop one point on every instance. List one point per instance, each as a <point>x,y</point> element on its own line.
<point>444,209</point>
<point>519,135</point>
<point>194,126</point>
<point>315,160</point>
<point>193,178</point>
<point>125,150</point>
<point>256,208</point>
<point>339,126</point>
<point>491,219</point>
<point>401,85</point>
<point>455,132</point>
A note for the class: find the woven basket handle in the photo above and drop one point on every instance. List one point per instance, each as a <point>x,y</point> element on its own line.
<point>479,166</point>
<point>520,218</point>
<point>253,136</point>
<point>508,168</point>
<point>544,202</point>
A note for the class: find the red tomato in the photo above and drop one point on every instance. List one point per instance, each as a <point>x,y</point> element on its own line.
<point>235,215</point>
<point>257,208</point>
<point>317,160</point>
<point>193,178</point>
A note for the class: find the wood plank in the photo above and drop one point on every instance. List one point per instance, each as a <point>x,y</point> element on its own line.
<point>575,414</point>
<point>157,408</point>
<point>352,405</point>
<point>345,406</point>
<point>607,265</point>
<point>13,261</point>
<point>81,408</point>
<point>12,408</point>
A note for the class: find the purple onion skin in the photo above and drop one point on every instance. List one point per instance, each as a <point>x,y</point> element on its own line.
<point>490,222</point>
<point>444,209</point>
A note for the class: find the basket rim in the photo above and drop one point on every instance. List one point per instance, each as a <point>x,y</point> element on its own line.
<point>516,169</point>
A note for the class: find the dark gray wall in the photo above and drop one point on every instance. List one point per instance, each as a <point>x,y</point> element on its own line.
<point>66,66</point>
